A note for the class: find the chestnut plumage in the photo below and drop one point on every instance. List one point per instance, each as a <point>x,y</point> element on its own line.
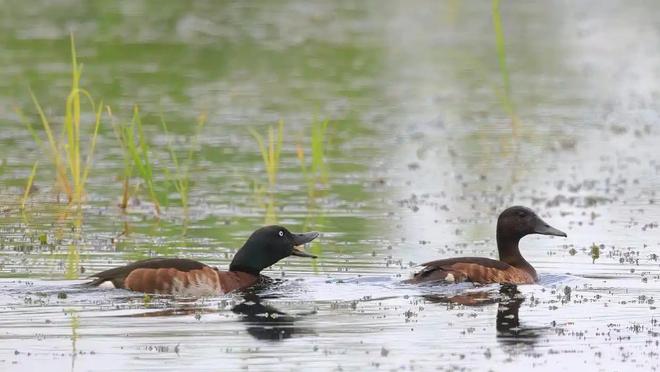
<point>180,276</point>
<point>512,225</point>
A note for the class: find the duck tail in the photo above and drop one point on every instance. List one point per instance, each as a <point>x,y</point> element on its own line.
<point>95,282</point>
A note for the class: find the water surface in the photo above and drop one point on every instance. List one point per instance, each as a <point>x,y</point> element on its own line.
<point>421,153</point>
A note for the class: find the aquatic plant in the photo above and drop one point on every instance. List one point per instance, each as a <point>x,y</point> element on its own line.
<point>65,150</point>
<point>319,130</point>
<point>122,134</point>
<point>181,178</point>
<point>595,253</point>
<point>270,153</point>
<point>72,262</point>
<point>75,325</point>
<point>314,220</point>
<point>28,186</point>
<point>317,172</point>
<point>136,150</point>
<point>505,95</point>
<point>300,154</point>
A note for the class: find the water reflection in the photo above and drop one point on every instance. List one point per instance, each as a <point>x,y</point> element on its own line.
<point>507,323</point>
<point>265,322</point>
<point>75,324</point>
<point>509,329</point>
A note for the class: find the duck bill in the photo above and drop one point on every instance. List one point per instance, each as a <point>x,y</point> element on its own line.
<point>545,229</point>
<point>299,240</point>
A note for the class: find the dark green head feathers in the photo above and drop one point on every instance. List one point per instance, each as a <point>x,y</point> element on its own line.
<point>268,245</point>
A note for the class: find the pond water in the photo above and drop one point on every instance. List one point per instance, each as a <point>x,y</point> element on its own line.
<point>426,143</point>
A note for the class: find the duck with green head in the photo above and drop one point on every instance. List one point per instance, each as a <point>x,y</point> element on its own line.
<point>180,276</point>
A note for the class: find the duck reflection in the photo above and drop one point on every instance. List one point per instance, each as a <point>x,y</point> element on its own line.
<point>509,329</point>
<point>265,322</point>
<point>507,323</point>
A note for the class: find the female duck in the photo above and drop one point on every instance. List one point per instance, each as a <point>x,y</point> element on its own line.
<point>180,276</point>
<point>512,225</point>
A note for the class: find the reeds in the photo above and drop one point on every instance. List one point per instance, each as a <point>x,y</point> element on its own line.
<point>65,150</point>
<point>135,148</point>
<point>505,95</point>
<point>28,186</point>
<point>317,172</point>
<point>319,130</point>
<point>122,133</point>
<point>181,178</point>
<point>270,152</point>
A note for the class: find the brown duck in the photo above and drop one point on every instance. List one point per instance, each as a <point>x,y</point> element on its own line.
<point>180,276</point>
<point>512,225</point>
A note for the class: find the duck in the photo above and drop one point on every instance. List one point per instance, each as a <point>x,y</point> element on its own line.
<point>185,277</point>
<point>513,224</point>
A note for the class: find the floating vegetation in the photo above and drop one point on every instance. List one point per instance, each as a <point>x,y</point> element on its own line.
<point>595,253</point>
<point>147,299</point>
<point>181,177</point>
<point>65,149</point>
<point>505,95</point>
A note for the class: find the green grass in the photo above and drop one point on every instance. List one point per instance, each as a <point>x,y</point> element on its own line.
<point>122,134</point>
<point>505,96</point>
<point>135,148</point>
<point>181,177</point>
<point>65,149</point>
<point>319,131</point>
<point>28,186</point>
<point>270,152</point>
<point>72,262</point>
<point>317,172</point>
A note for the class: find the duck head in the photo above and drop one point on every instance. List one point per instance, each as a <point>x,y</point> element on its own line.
<point>268,245</point>
<point>517,222</point>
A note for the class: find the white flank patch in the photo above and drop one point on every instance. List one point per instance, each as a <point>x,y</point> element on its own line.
<point>107,285</point>
<point>450,278</point>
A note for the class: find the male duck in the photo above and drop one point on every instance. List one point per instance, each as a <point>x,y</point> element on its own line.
<point>180,276</point>
<point>512,225</point>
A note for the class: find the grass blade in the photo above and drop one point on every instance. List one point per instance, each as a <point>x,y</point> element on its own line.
<point>28,187</point>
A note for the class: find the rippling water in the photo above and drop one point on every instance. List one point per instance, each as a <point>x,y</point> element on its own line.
<point>422,155</point>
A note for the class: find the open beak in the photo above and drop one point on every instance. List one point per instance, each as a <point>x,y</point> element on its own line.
<point>299,240</point>
<point>545,229</point>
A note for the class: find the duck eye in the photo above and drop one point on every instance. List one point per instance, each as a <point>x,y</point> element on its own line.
<point>281,233</point>
<point>521,214</point>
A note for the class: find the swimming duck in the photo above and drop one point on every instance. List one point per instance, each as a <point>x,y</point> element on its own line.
<point>512,225</point>
<point>180,276</point>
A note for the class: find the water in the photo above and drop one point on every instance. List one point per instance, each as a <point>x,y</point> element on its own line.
<point>421,159</point>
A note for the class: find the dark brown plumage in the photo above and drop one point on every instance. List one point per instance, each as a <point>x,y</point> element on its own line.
<point>512,225</point>
<point>180,276</point>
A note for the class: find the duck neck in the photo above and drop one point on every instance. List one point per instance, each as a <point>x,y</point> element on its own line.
<point>247,260</point>
<point>244,269</point>
<point>509,252</point>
